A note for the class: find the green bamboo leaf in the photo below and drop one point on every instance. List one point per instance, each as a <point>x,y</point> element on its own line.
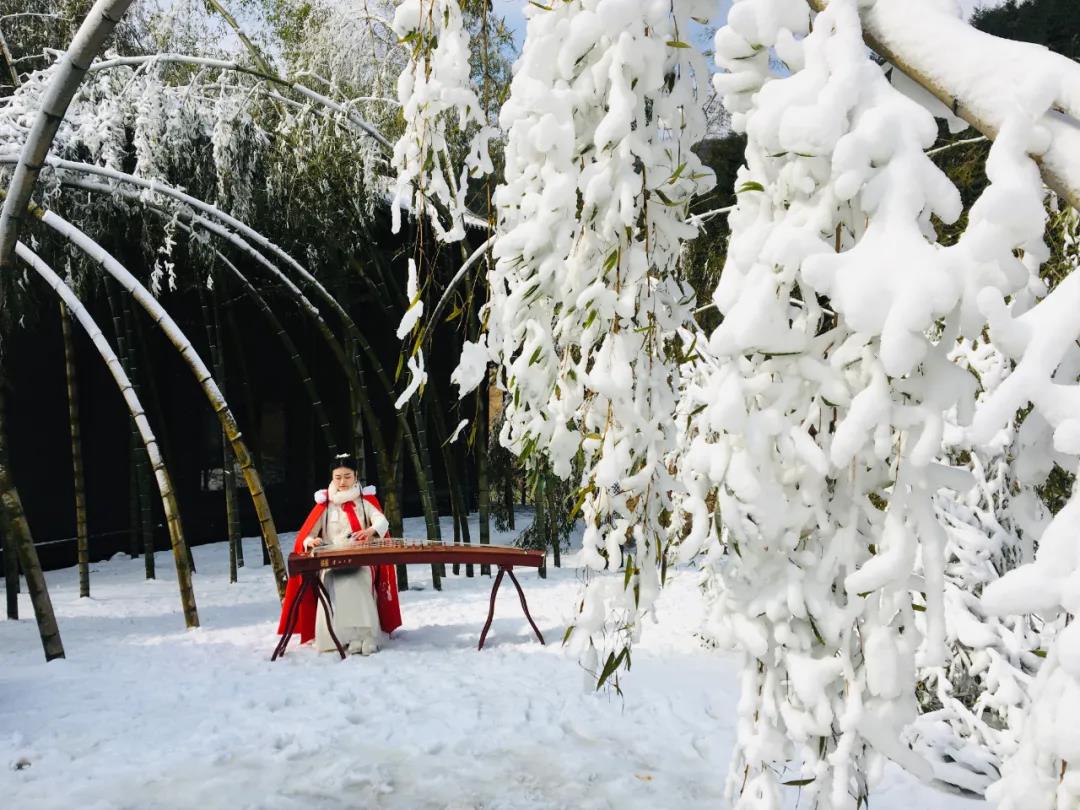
<point>610,666</point>
<point>675,43</point>
<point>750,185</point>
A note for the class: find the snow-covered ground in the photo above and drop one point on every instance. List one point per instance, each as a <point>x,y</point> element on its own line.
<point>144,714</point>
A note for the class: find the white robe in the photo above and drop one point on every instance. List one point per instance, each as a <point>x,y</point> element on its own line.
<point>355,615</point>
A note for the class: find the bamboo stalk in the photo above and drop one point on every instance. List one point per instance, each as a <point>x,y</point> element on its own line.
<point>11,567</point>
<point>133,498</point>
<point>453,476</point>
<point>82,536</point>
<point>291,351</point>
<point>210,322</point>
<point>125,346</point>
<point>540,519</point>
<point>482,470</point>
<point>168,497</point>
<point>202,374</point>
<point>142,467</point>
<point>232,512</point>
<point>19,530</point>
<point>253,414</point>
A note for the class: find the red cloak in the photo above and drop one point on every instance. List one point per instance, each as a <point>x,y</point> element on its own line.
<point>383,580</point>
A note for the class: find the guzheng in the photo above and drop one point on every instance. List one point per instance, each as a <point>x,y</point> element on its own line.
<point>404,551</point>
<point>401,551</point>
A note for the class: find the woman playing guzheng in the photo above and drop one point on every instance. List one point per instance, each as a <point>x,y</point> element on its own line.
<point>365,599</point>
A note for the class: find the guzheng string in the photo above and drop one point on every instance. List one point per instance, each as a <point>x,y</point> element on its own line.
<point>408,543</point>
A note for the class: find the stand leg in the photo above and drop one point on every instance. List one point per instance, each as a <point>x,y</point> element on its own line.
<point>524,606</point>
<point>291,619</point>
<point>324,599</point>
<point>491,609</point>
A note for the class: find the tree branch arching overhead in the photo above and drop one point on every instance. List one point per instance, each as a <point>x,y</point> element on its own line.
<point>978,94</point>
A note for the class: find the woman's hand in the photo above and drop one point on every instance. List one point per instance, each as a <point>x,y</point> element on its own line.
<point>312,542</point>
<point>363,535</point>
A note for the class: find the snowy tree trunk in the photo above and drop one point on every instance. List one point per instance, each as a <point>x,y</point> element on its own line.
<point>131,399</point>
<point>88,40</point>
<point>82,539</point>
<point>20,537</point>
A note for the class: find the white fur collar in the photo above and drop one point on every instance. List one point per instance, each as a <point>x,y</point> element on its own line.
<point>322,495</point>
<point>341,496</point>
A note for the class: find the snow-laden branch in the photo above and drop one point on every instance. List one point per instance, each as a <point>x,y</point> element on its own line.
<point>65,81</point>
<point>811,452</point>
<point>434,87</point>
<point>154,186</point>
<point>984,79</point>
<point>350,115</point>
<point>587,311</point>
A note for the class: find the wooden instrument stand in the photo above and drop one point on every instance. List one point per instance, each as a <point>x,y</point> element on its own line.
<point>308,567</point>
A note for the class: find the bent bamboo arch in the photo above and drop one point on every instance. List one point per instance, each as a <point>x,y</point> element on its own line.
<point>138,415</point>
<point>194,362</point>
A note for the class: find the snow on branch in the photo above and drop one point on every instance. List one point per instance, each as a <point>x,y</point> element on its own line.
<point>984,79</point>
<point>815,422</point>
<point>588,316</point>
<point>435,89</point>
